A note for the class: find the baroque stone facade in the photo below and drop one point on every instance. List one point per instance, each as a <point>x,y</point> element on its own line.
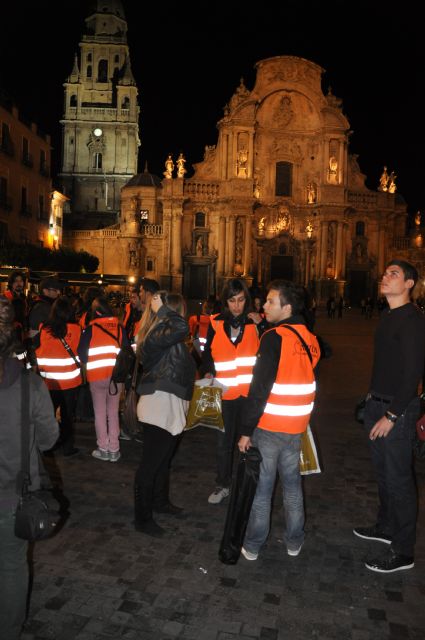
<point>279,195</point>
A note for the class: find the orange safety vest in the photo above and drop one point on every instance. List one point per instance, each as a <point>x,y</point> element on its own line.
<point>234,363</point>
<point>291,399</point>
<point>55,364</point>
<point>103,349</point>
<point>198,328</point>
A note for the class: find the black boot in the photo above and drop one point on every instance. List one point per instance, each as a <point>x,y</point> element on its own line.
<point>143,520</point>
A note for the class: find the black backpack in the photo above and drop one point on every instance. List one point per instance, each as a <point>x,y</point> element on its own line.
<point>124,364</point>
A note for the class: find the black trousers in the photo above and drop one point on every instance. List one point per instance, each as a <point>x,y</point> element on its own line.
<point>231,410</point>
<point>152,481</point>
<point>65,399</point>
<point>392,458</point>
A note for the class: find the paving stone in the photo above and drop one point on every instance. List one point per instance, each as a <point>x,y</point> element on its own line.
<point>100,579</point>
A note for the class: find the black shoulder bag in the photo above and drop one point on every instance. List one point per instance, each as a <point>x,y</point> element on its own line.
<point>34,518</point>
<point>303,342</point>
<point>77,362</point>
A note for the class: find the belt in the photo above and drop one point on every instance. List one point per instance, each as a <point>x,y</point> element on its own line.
<point>378,399</point>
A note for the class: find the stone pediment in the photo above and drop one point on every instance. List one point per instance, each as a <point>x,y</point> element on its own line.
<point>284,71</point>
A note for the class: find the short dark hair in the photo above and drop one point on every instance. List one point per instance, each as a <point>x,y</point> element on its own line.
<point>148,284</point>
<point>13,276</point>
<point>234,287</point>
<point>410,272</point>
<point>289,293</point>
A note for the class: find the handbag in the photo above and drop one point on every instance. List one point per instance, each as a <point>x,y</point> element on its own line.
<point>124,363</point>
<point>205,408</point>
<point>309,460</point>
<point>242,496</point>
<point>359,411</point>
<point>129,422</point>
<point>35,517</point>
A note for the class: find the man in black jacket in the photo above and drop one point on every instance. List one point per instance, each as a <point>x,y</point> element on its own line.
<point>391,411</point>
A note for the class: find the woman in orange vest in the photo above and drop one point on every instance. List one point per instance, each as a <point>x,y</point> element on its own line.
<point>56,347</point>
<point>198,328</point>
<point>229,356</point>
<point>99,347</point>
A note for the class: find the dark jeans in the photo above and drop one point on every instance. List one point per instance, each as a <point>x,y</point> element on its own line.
<point>65,399</point>
<point>231,410</point>
<point>13,578</point>
<point>153,474</point>
<point>392,458</point>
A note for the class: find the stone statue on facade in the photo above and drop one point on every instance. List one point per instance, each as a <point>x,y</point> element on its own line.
<point>181,160</point>
<point>261,225</point>
<point>133,258</point>
<point>311,193</point>
<point>242,163</point>
<point>384,180</point>
<point>199,249</point>
<point>333,165</point>
<point>392,187</point>
<point>169,167</point>
<point>418,219</point>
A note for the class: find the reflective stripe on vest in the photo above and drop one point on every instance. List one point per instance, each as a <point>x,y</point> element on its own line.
<point>56,366</point>
<point>234,363</point>
<point>103,348</point>
<point>291,399</point>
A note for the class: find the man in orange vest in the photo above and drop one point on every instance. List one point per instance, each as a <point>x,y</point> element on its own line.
<point>277,412</point>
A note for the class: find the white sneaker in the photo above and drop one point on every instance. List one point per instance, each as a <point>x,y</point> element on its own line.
<point>114,456</point>
<point>248,555</point>
<point>218,495</point>
<point>101,454</point>
<point>294,552</point>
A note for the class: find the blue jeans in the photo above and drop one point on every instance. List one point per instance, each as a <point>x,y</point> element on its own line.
<point>280,453</point>
<point>392,458</point>
<point>13,578</point>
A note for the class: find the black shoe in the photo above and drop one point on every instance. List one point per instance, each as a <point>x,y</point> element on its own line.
<point>390,562</point>
<point>169,508</point>
<point>372,533</point>
<point>150,528</point>
<point>69,453</point>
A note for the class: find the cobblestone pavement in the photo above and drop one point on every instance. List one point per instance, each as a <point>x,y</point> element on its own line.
<point>99,578</point>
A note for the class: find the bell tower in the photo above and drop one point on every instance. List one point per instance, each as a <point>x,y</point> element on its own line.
<point>100,125</point>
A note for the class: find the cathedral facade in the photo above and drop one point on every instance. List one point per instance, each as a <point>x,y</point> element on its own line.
<point>278,195</point>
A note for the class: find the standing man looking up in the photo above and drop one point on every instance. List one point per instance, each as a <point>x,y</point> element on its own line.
<point>392,409</point>
<point>277,412</point>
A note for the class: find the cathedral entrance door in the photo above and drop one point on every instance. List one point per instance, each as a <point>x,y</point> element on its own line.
<point>282,267</point>
<point>197,285</point>
<point>358,288</point>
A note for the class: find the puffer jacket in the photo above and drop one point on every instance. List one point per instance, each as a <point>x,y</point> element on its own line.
<point>166,361</point>
<point>44,430</point>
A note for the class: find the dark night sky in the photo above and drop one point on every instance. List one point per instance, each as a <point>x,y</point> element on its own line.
<point>188,61</point>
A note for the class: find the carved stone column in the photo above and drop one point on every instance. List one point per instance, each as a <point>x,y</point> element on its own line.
<point>221,246</point>
<point>247,248</point>
<point>176,245</point>
<point>230,245</point>
<point>381,251</point>
<point>324,249</point>
<point>339,240</point>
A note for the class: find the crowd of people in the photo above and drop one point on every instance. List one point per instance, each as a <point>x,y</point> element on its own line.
<point>260,348</point>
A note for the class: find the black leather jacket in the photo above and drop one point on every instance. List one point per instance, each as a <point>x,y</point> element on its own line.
<point>166,361</point>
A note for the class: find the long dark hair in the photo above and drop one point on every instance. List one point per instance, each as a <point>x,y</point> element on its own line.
<point>234,287</point>
<point>7,333</point>
<point>60,314</point>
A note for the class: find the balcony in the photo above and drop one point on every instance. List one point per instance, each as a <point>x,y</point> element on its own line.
<point>45,170</point>
<point>151,230</point>
<point>27,160</point>
<point>6,145</point>
<point>26,211</point>
<point>6,203</point>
